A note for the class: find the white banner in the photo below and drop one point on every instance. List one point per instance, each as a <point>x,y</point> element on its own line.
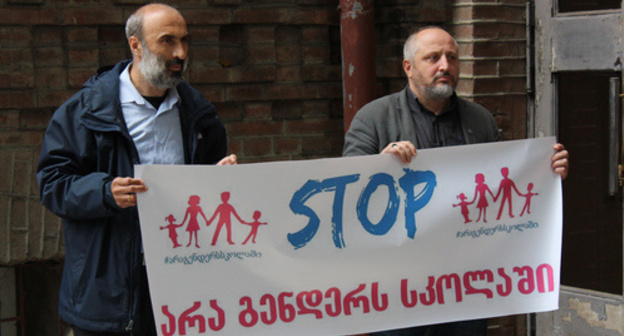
<point>350,245</point>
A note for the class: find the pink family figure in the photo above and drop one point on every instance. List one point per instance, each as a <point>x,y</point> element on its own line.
<point>173,235</point>
<point>506,185</point>
<point>225,212</point>
<point>464,207</point>
<point>191,214</point>
<point>480,190</point>
<point>254,227</point>
<point>527,203</point>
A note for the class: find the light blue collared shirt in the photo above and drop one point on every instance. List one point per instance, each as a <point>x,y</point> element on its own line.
<point>157,135</point>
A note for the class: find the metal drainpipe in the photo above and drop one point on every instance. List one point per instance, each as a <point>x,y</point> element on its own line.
<point>358,56</point>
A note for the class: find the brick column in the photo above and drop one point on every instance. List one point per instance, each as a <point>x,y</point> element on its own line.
<point>492,40</point>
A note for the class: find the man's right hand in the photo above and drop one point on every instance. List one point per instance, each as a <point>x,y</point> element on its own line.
<point>124,191</point>
<point>404,150</point>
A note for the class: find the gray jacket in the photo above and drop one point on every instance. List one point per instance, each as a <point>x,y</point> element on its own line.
<point>389,119</point>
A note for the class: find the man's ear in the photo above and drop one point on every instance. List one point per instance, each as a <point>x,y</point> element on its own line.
<point>136,47</point>
<point>407,67</point>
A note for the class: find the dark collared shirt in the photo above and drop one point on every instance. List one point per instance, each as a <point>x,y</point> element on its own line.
<point>436,130</point>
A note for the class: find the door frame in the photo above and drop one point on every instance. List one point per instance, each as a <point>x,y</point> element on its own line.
<point>598,48</point>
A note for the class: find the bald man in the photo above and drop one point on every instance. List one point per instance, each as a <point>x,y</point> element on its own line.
<point>138,111</point>
<point>428,114</point>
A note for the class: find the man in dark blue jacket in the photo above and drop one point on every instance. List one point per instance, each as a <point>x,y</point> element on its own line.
<point>136,112</point>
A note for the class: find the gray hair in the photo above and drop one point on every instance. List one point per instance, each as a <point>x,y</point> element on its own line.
<point>411,44</point>
<point>134,26</point>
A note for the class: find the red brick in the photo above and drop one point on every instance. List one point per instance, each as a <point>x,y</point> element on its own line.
<point>35,118</point>
<point>20,138</point>
<point>109,56</point>
<point>501,13</point>
<point>316,108</point>
<point>216,74</point>
<point>313,126</point>
<point>15,36</point>
<point>49,56</point>
<point>259,34</point>
<point>498,30</point>
<point>6,170</point>
<point>77,77</point>
<point>261,54</point>
<point>21,177</point>
<point>245,92</point>
<point>324,90</point>
<point>111,35</point>
<point>318,16</point>
<point>214,93</point>
<point>83,57</point>
<point>288,145</point>
<point>17,99</point>
<point>389,68</point>
<point>54,98</point>
<point>81,34</point>
<point>315,54</point>
<point>313,73</point>
<point>512,67</point>
<point>18,79</point>
<point>16,57</point>
<point>285,91</point>
<point>94,15</point>
<point>212,16</point>
<point>495,85</point>
<point>288,73</point>
<point>257,14</point>
<point>257,146</point>
<point>254,73</point>
<point>287,34</point>
<point>204,35</point>
<point>315,34</point>
<point>235,146</point>
<point>9,120</point>
<point>288,54</point>
<point>256,128</point>
<point>287,110</point>
<point>258,111</point>
<point>229,111</point>
<point>205,55</point>
<point>29,16</point>
<point>315,145</point>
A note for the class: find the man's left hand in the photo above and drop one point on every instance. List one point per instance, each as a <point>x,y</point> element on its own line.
<point>560,161</point>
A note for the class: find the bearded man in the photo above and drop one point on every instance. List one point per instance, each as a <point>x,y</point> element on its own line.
<point>136,112</point>
<point>428,114</point>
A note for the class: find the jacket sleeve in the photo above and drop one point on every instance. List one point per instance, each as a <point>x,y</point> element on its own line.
<point>69,185</point>
<point>362,138</point>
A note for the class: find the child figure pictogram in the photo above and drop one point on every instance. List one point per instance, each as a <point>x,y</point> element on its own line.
<point>254,227</point>
<point>225,212</point>
<point>480,190</point>
<point>173,235</point>
<point>191,214</point>
<point>464,207</point>
<point>527,203</point>
<point>506,185</point>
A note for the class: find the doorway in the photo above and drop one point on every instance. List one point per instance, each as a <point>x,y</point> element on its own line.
<point>578,72</point>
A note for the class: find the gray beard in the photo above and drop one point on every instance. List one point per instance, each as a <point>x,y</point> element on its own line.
<point>154,69</point>
<point>439,92</point>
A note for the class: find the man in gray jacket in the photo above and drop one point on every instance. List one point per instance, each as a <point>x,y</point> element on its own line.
<point>428,114</point>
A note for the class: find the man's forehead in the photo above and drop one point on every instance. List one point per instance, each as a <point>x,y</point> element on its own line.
<point>433,39</point>
<point>164,22</point>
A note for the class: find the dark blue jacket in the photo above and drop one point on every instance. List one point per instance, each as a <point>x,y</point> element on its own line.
<point>86,146</point>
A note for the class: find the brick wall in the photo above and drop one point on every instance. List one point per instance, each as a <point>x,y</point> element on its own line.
<point>272,68</point>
